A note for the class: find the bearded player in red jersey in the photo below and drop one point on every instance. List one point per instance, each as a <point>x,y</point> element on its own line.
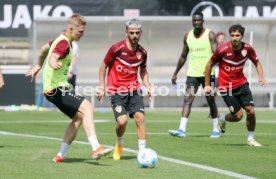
<point>123,60</point>
<point>232,84</point>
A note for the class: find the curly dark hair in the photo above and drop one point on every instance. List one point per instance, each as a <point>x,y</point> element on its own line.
<point>237,27</point>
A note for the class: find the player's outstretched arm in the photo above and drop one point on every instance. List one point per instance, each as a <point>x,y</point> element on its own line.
<point>54,61</point>
<point>73,61</point>
<point>259,69</point>
<point>102,74</point>
<point>145,78</point>
<point>213,41</point>
<point>181,61</point>
<point>208,69</point>
<point>41,58</point>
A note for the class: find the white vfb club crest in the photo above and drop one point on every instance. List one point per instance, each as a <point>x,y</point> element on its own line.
<point>118,109</point>
<point>138,55</point>
<point>244,52</point>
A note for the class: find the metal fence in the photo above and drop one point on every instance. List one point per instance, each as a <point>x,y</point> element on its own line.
<point>163,39</point>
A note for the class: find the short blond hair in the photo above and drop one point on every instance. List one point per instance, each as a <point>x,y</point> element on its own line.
<point>77,19</point>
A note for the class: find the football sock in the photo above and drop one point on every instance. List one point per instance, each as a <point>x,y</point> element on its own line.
<point>120,141</point>
<point>63,150</point>
<point>215,124</point>
<point>183,123</point>
<point>94,142</point>
<point>250,135</point>
<point>142,144</point>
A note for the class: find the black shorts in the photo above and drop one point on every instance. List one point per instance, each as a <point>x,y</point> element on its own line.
<point>66,100</point>
<point>197,81</point>
<point>238,98</point>
<point>72,81</point>
<point>127,103</point>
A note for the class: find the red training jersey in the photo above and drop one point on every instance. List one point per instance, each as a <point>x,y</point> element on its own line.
<point>62,48</point>
<point>123,66</point>
<point>231,63</point>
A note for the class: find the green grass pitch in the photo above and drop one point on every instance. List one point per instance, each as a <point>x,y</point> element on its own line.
<point>29,140</point>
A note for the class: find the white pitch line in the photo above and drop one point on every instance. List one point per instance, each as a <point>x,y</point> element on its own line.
<point>111,120</point>
<point>195,165</point>
<point>47,121</point>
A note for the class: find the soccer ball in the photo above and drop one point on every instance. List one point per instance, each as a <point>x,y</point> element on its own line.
<point>147,158</point>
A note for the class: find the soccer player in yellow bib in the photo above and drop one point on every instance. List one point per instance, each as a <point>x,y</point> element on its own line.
<point>58,55</point>
<point>200,44</point>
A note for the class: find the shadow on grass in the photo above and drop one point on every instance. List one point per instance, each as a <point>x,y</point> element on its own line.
<point>85,160</point>
<point>129,157</point>
<point>237,145</point>
<point>203,136</point>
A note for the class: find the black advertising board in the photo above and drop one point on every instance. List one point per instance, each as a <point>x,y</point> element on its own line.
<point>16,16</point>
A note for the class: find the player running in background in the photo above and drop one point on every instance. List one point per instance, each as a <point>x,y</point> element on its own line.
<point>56,87</point>
<point>220,38</point>
<point>124,59</point>
<point>200,43</point>
<point>233,85</point>
<point>2,83</point>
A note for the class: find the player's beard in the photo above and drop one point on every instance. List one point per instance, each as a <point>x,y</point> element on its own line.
<point>198,27</point>
<point>134,40</point>
<point>235,43</point>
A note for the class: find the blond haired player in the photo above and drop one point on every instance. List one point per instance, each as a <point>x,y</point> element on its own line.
<point>58,54</point>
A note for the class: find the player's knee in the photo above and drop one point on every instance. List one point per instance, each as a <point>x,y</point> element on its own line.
<point>86,107</point>
<point>250,111</point>
<point>122,120</point>
<point>188,100</point>
<point>139,118</point>
<point>238,115</point>
<point>78,119</point>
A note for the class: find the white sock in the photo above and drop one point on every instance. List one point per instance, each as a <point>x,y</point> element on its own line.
<point>215,125</point>
<point>142,144</point>
<point>183,124</point>
<point>250,135</point>
<point>63,150</point>
<point>120,141</point>
<point>222,117</point>
<point>94,142</point>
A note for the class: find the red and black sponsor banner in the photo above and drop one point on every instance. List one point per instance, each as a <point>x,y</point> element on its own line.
<point>16,16</point>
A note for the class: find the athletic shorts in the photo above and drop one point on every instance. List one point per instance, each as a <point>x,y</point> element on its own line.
<point>67,101</point>
<point>197,81</point>
<point>72,81</point>
<point>124,103</point>
<point>238,98</point>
